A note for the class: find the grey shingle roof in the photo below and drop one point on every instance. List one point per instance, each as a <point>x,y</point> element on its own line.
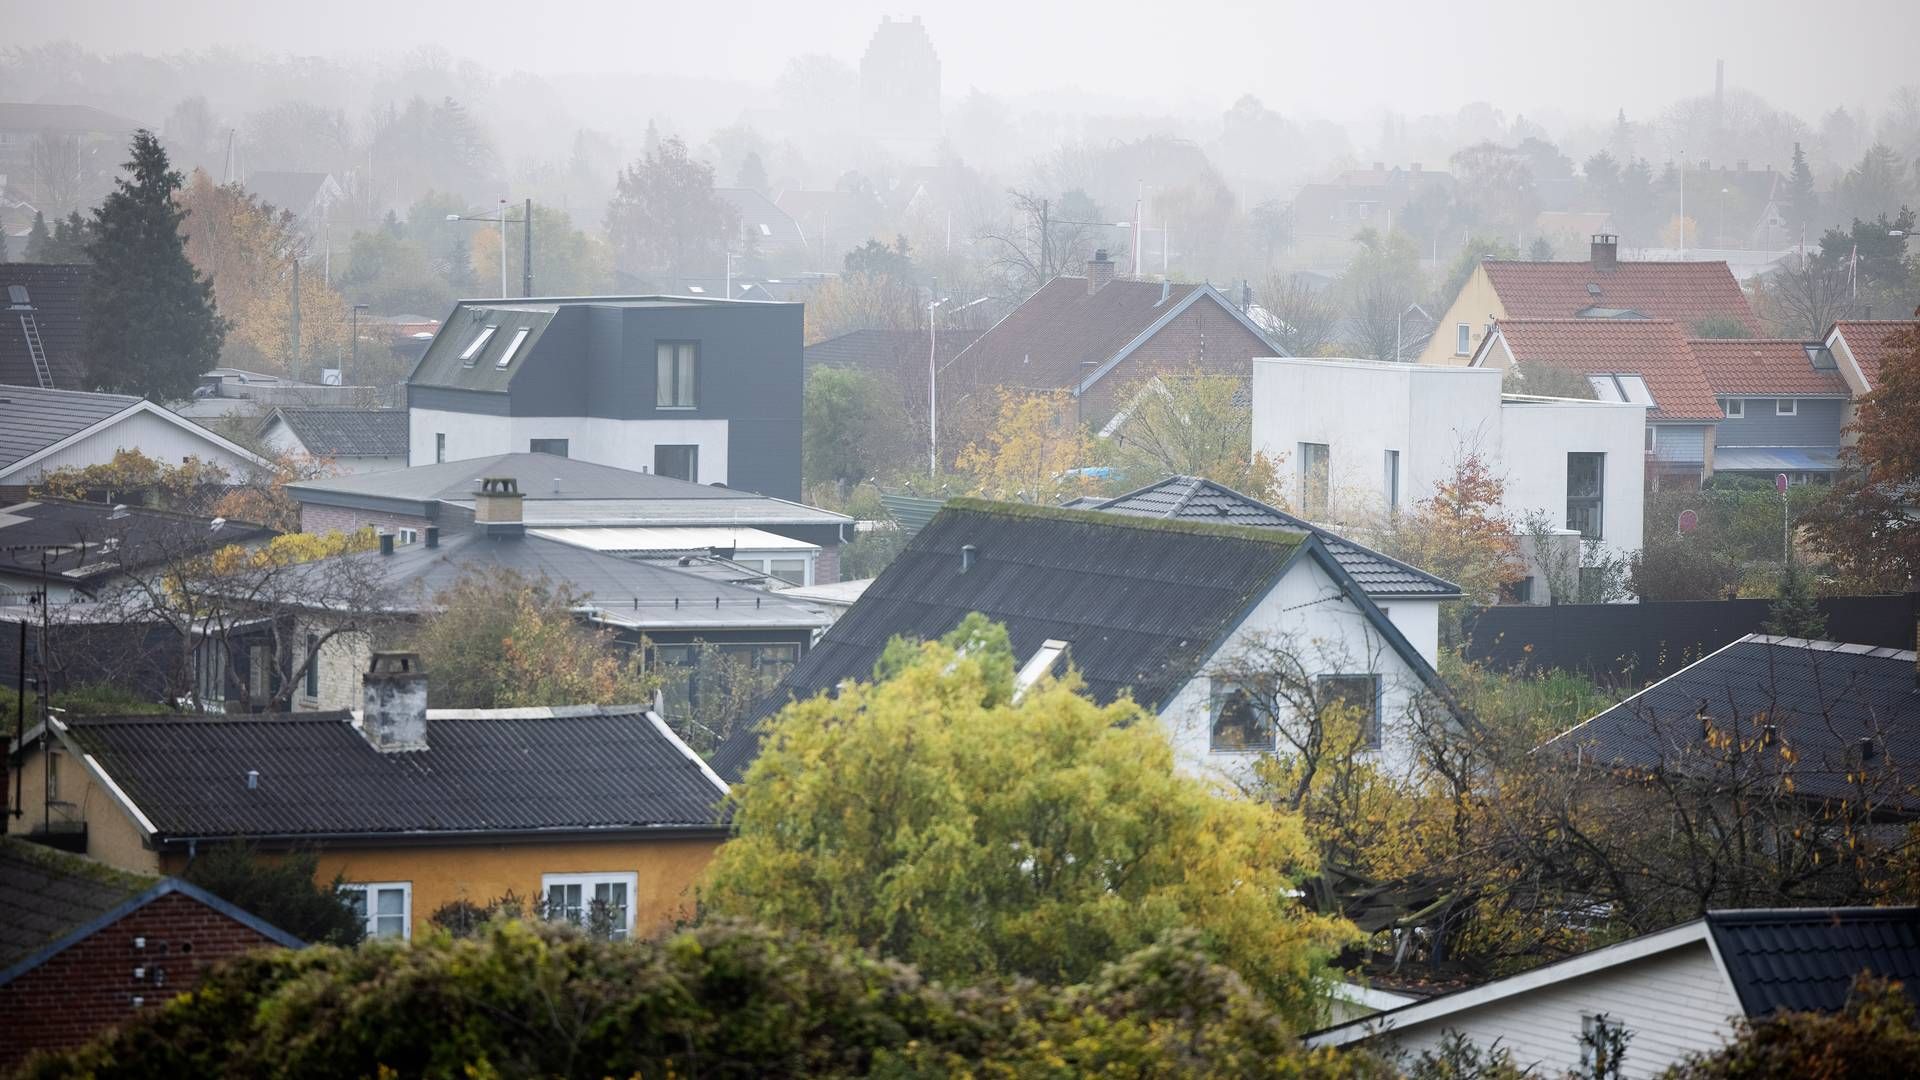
<point>57,294</point>
<point>1191,498</point>
<point>97,542</point>
<point>1802,959</point>
<point>345,432</point>
<point>487,771</point>
<point>46,893</point>
<point>32,419</point>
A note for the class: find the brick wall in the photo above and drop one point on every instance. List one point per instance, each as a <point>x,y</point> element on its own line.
<point>1204,337</point>
<point>826,565</point>
<point>97,983</point>
<point>315,518</point>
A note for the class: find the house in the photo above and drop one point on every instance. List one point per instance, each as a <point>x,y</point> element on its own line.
<point>44,430</point>
<point>561,493</point>
<point>43,327</point>
<point>1093,335</point>
<point>354,440</point>
<point>1786,404</point>
<point>1644,361</point>
<point>1575,463</point>
<point>1861,348</point>
<point>97,138</point>
<point>767,232</point>
<point>889,353</point>
<point>708,391</point>
<point>86,947</point>
<point>67,551</point>
<point>1603,287</point>
<point>578,810</point>
<point>1156,608</point>
<point>1362,198</point>
<point>308,196</point>
<point>1674,992</point>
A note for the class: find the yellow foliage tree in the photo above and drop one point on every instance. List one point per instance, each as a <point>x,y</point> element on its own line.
<point>1033,452</point>
<point>1189,424</point>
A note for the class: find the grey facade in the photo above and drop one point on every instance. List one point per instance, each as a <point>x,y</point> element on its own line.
<point>1815,422</point>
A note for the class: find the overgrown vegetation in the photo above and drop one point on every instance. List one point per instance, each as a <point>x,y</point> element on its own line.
<point>279,889</point>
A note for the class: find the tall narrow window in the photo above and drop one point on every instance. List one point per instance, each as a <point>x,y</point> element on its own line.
<point>677,370</point>
<point>513,346</point>
<point>1586,483</point>
<point>1393,480</point>
<point>439,447</point>
<point>679,462</point>
<point>313,665</point>
<point>1316,479</point>
<point>1462,340</point>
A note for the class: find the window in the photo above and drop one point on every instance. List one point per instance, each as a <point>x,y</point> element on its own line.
<point>1316,477</point>
<point>677,370</point>
<point>791,571</point>
<point>1462,339</point>
<point>556,447</point>
<point>259,674</point>
<point>1239,724</point>
<point>439,447</point>
<point>405,536</point>
<point>313,665</point>
<point>1586,476</point>
<point>685,683</point>
<point>679,462</point>
<point>1360,694</point>
<point>386,907</point>
<point>601,902</point>
<point>210,673</point>
<point>1786,406</point>
<point>472,351</point>
<point>513,346</point>
<point>1652,437</point>
<point>1393,479</point>
<point>1736,408</point>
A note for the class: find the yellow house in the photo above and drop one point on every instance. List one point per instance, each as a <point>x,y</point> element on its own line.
<point>571,810</point>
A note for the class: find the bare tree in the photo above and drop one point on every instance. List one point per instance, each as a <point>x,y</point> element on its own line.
<point>1805,295</point>
<point>1035,245</point>
<point>1300,314</point>
<point>54,168</point>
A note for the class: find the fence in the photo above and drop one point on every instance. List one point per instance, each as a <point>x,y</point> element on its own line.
<point>1635,644</point>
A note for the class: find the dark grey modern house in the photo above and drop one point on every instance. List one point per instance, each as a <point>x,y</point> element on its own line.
<point>706,390</point>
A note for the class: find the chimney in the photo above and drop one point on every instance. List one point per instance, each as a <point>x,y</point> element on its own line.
<point>1099,271</point>
<point>1605,251</point>
<point>496,506</point>
<point>394,713</point>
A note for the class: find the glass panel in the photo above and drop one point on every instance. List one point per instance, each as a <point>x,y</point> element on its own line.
<point>1238,724</point>
<point>1361,695</point>
<point>357,900</point>
<point>513,346</point>
<point>663,376</point>
<point>612,896</point>
<point>1316,462</point>
<point>563,903</point>
<point>1585,488</point>
<point>683,381</point>
<point>791,571</point>
<point>473,348</point>
<point>390,916</point>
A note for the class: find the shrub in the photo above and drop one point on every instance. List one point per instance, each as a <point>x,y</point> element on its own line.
<point>1874,1035</point>
<point>280,890</point>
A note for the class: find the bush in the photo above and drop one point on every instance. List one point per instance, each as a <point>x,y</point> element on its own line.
<point>88,699</point>
<point>728,1000</point>
<point>279,890</point>
<point>1873,1036</point>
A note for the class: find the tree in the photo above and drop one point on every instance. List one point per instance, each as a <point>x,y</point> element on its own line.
<point>1299,313</point>
<point>153,328</point>
<point>280,890</point>
<point>1041,239</point>
<point>862,301</point>
<point>566,261</point>
<point>1546,380</point>
<point>1032,451</point>
<point>66,244</point>
<point>877,259</point>
<point>1496,188</point>
<point>1875,186</point>
<point>1379,285</point>
<point>1802,202</point>
<point>427,146</point>
<point>1188,424</point>
<point>38,238</point>
<point>1865,525</point>
<point>1480,247</point>
<point>54,172</point>
<point>752,174</point>
<point>1719,326</point>
<point>1874,251</point>
<point>665,216</point>
<point>1794,612</point>
<point>978,834</point>
<point>1875,1034</point>
<point>850,434</point>
<point>1460,533</point>
<point>1804,295</point>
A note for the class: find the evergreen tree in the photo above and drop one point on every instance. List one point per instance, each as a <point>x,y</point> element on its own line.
<point>1794,612</point>
<point>3,246</point>
<point>1800,197</point>
<point>154,328</point>
<point>38,238</point>
<point>753,173</point>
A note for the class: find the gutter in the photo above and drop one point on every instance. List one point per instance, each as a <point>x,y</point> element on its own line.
<point>458,836</point>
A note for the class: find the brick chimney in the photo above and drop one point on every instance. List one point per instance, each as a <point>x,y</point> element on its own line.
<point>393,717</point>
<point>496,506</point>
<point>1099,271</point>
<point>1605,251</point>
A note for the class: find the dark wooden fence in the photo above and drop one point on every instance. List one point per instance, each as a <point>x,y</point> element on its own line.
<point>1634,644</point>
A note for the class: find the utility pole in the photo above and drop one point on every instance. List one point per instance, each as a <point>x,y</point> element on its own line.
<point>501,229</point>
<point>1046,246</point>
<point>293,365</point>
<point>526,255</point>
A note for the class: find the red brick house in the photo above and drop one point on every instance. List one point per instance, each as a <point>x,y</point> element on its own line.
<point>85,947</point>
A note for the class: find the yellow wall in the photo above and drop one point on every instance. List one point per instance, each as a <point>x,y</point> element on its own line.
<point>112,836</point>
<point>1474,306</point>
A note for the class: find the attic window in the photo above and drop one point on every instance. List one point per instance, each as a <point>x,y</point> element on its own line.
<point>1821,358</point>
<point>695,289</point>
<point>18,295</point>
<point>766,230</point>
<point>1040,664</point>
<point>473,349</point>
<point>519,339</point>
<point>1631,389</point>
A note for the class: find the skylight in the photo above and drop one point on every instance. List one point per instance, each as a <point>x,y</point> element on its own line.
<point>1631,389</point>
<point>519,339</point>
<point>473,348</point>
<point>766,230</point>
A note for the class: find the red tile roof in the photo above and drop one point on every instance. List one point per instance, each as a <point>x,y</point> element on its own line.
<point>1654,349</point>
<point>1763,366</point>
<point>1869,342</point>
<point>1041,343</point>
<point>1685,292</point>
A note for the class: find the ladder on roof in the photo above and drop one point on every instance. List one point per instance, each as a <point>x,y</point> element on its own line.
<point>35,349</point>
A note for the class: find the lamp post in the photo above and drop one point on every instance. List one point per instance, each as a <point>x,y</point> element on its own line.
<point>354,365</point>
<point>933,391</point>
<point>500,220</point>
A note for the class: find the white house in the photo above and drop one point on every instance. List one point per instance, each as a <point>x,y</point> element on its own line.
<point>44,430</point>
<point>1363,439</point>
<point>352,440</point>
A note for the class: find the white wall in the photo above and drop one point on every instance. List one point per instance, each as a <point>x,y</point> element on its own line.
<point>1544,434</point>
<point>1419,620</point>
<point>280,438</point>
<point>161,440</point>
<point>624,444</point>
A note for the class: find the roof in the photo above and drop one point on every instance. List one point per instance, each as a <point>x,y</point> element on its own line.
<point>1192,498</point>
<point>1871,343</point>
<point>32,419</point>
<point>47,893</point>
<point>292,192</point>
<point>569,770</point>
<point>886,351</point>
<point>37,116</point>
<point>1683,291</point>
<point>1142,602</point>
<point>344,432</point>
<point>1766,366</point>
<point>674,539</point>
<point>57,294</point>
<point>1776,459</point>
<point>1042,343</point>
<point>1654,349</point>
<point>764,221</point>
<point>91,539</point>
<point>1821,697</point>
<point>1801,959</point>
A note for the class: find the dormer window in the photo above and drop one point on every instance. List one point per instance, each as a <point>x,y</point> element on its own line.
<point>472,351</point>
<point>513,346</point>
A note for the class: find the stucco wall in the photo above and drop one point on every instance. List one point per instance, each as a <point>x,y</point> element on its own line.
<point>112,836</point>
<point>624,444</point>
<point>1476,306</point>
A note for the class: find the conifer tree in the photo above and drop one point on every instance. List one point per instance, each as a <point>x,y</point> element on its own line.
<point>1800,197</point>
<point>1794,612</point>
<point>38,238</point>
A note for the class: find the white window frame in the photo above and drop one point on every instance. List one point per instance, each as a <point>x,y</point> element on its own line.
<point>1653,437</point>
<point>1462,339</point>
<point>1735,408</point>
<point>513,346</point>
<point>371,888</point>
<point>587,881</point>
<point>405,536</point>
<point>1392,478</point>
<point>1786,406</point>
<point>471,354</point>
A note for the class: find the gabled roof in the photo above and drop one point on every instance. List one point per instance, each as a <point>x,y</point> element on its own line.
<point>887,351</point>
<point>56,295</point>
<point>1685,292</point>
<point>1654,349</point>
<point>91,539</point>
<point>565,772</point>
<point>1820,697</point>
<point>1870,341</point>
<point>35,117</point>
<point>34,423</point>
<point>1042,343</point>
<point>293,192</point>
<point>47,893</point>
<point>1193,498</point>
<point>765,222</point>
<point>343,432</point>
<point>1765,366</point>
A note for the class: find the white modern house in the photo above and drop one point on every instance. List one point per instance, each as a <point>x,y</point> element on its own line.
<point>1361,440</point>
<point>45,430</point>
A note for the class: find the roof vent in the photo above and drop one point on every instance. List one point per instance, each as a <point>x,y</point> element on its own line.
<point>1593,289</point>
<point>968,556</point>
<point>253,779</point>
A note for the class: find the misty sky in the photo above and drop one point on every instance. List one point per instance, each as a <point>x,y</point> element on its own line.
<point>1337,59</point>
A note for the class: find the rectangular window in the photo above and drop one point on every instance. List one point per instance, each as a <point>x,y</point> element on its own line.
<point>1652,437</point>
<point>791,571</point>
<point>677,370</point>
<point>556,447</point>
<point>1586,480</point>
<point>1393,479</point>
<point>513,346</point>
<point>472,352</point>
<point>1736,408</point>
<point>1316,477</point>
<point>1786,406</point>
<point>603,903</point>
<point>210,673</point>
<point>679,462</point>
<point>384,907</point>
<point>313,665</point>
<point>405,536</point>
<point>1462,339</point>
<point>439,447</point>
<point>1240,724</point>
<point>1359,695</point>
<point>259,674</point>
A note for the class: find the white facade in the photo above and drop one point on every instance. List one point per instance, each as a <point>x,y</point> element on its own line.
<point>144,427</point>
<point>1429,417</point>
<point>623,444</point>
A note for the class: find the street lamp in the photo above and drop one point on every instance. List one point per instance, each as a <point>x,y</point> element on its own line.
<point>501,221</point>
<point>354,366</point>
<point>933,391</point>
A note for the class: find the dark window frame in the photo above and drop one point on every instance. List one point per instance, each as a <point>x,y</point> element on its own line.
<point>543,446</point>
<point>1592,505</point>
<point>1228,694</point>
<point>693,460</point>
<point>1371,726</point>
<point>312,687</point>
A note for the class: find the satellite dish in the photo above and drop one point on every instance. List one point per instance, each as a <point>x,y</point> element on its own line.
<point>1689,521</point>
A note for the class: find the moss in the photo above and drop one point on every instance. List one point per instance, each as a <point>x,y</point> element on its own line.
<point>53,861</point>
<point>1281,538</point>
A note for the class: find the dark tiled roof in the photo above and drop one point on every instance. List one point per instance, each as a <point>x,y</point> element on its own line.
<point>344,432</point>
<point>1685,292</point>
<point>756,210</point>
<point>887,351</point>
<point>1764,366</point>
<point>32,419</point>
<point>1871,341</point>
<point>291,192</point>
<point>35,117</point>
<point>46,893</point>
<point>57,294</point>
<point>504,770</point>
<point>1654,349</point>
<point>1042,343</point>
<point>1192,498</point>
<point>1142,603</point>
<point>1802,959</point>
<point>1821,698</point>
<point>100,543</point>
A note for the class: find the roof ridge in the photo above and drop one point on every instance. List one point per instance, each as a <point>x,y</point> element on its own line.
<point>1275,537</point>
